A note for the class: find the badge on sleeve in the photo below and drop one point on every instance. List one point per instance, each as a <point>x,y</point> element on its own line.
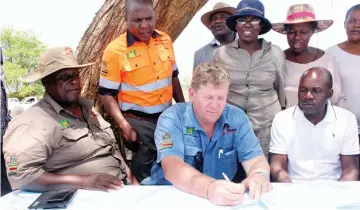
<point>166,142</point>
<point>12,164</point>
<point>104,71</point>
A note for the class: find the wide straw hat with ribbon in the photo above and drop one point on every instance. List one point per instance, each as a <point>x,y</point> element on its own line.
<point>301,13</point>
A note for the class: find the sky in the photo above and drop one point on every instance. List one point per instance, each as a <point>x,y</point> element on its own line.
<point>63,22</point>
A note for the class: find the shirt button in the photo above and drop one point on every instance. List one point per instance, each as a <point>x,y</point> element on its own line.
<point>161,95</point>
<point>247,85</point>
<point>247,74</point>
<point>158,77</point>
<point>154,63</point>
<point>136,65</point>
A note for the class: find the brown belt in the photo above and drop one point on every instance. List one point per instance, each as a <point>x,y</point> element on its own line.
<point>130,115</point>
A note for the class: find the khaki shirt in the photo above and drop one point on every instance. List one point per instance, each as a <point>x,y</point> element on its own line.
<point>257,81</point>
<point>48,138</point>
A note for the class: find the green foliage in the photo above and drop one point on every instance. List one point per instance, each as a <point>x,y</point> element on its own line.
<point>21,50</point>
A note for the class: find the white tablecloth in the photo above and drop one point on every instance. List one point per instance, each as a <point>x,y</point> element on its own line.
<point>314,195</point>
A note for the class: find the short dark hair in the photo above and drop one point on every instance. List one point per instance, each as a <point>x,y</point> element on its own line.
<point>355,7</point>
<point>327,74</point>
<point>128,2</point>
<point>313,24</point>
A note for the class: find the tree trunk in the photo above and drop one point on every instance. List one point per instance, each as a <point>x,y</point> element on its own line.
<point>172,17</point>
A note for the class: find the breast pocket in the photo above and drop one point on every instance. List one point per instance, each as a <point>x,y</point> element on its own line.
<point>136,63</point>
<point>103,134</point>
<point>72,135</point>
<point>228,163</point>
<point>73,146</point>
<point>167,60</point>
<point>166,55</point>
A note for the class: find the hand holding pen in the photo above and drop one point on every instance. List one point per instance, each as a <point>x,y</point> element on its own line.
<point>225,192</point>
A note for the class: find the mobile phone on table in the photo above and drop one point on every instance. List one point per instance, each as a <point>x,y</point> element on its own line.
<point>60,196</point>
<point>57,199</point>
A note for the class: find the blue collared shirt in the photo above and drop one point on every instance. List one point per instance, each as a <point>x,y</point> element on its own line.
<point>178,133</point>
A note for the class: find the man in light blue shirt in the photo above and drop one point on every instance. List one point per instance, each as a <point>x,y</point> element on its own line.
<point>200,140</point>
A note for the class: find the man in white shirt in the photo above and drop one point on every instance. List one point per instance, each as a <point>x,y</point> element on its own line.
<point>314,140</point>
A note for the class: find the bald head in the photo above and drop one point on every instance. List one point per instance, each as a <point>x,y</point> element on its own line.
<point>315,88</point>
<point>321,72</point>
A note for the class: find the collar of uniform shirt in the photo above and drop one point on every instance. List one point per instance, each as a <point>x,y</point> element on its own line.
<point>131,39</point>
<point>215,42</point>
<point>265,45</point>
<point>190,120</point>
<point>83,102</point>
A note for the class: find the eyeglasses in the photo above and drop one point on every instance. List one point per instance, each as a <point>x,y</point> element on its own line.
<point>199,161</point>
<point>352,21</point>
<point>253,22</point>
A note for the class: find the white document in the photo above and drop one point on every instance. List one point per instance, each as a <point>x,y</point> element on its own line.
<point>171,198</point>
<point>314,195</point>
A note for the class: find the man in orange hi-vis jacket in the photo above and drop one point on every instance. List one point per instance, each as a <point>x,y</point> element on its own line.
<point>139,68</point>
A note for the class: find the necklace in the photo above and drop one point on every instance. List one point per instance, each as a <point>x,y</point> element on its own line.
<point>293,54</point>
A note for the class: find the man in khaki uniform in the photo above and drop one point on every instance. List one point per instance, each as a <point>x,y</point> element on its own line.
<point>62,142</point>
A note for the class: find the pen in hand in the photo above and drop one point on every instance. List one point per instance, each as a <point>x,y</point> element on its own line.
<point>226,177</point>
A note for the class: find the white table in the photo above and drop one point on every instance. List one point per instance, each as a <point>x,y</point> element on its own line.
<point>315,195</point>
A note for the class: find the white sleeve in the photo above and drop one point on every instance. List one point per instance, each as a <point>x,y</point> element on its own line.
<point>338,98</point>
<point>351,141</point>
<point>278,141</point>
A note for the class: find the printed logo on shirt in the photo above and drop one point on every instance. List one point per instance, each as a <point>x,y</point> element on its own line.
<point>271,144</point>
<point>166,142</point>
<point>228,130</point>
<point>12,164</point>
<point>130,54</point>
<point>189,131</point>
<point>104,71</point>
<point>64,124</point>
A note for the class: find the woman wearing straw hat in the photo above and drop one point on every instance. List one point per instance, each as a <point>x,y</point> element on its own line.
<point>255,67</point>
<point>299,27</point>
